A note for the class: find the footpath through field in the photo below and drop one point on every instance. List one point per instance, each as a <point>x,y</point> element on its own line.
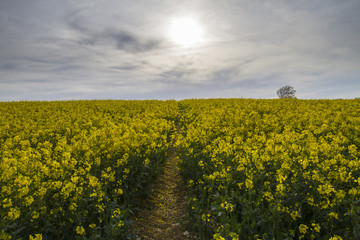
<point>165,215</point>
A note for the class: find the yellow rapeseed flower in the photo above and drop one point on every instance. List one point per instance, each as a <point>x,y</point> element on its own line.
<point>80,230</point>
<point>336,237</point>
<point>36,237</point>
<point>217,236</point>
<point>303,228</point>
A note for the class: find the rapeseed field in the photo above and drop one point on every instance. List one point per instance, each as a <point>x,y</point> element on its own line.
<point>77,169</point>
<point>272,169</point>
<point>255,169</point>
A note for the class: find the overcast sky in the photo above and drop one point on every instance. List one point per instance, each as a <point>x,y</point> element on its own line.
<point>102,49</point>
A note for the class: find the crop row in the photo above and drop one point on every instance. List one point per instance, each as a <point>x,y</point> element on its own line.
<point>272,169</point>
<point>77,169</point>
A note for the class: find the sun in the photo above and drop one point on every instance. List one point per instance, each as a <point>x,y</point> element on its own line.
<point>186,31</point>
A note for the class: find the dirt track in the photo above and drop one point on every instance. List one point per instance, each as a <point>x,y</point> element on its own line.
<point>164,217</point>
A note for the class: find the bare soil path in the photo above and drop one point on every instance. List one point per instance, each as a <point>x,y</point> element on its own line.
<point>164,218</point>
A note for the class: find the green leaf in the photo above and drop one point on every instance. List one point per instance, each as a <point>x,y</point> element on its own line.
<point>356,231</point>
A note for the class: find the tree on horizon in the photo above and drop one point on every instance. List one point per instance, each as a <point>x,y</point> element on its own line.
<point>286,92</point>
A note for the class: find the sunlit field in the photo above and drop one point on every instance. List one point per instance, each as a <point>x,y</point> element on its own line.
<point>255,169</point>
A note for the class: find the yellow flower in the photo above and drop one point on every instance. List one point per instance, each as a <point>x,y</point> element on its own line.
<point>268,196</point>
<point>217,236</point>
<point>249,183</point>
<point>35,215</point>
<point>280,188</point>
<point>303,228</point>
<point>14,213</point>
<point>73,206</point>
<point>234,236</point>
<point>119,191</point>
<point>316,227</point>
<point>205,217</point>
<point>4,235</point>
<point>36,237</point>
<point>7,203</point>
<point>121,223</point>
<point>294,215</point>
<point>80,230</point>
<point>228,206</point>
<point>116,213</point>
<point>146,162</point>
<point>333,215</point>
<point>336,237</point>
<point>325,189</point>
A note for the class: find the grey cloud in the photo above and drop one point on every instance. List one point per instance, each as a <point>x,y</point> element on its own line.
<point>48,60</point>
<point>8,66</point>
<point>225,75</point>
<point>125,67</point>
<point>182,71</point>
<point>68,67</point>
<point>32,81</point>
<point>231,78</point>
<point>177,73</point>
<point>123,40</point>
<point>130,43</point>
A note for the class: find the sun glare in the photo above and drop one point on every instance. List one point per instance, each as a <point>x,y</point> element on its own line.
<point>186,32</point>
